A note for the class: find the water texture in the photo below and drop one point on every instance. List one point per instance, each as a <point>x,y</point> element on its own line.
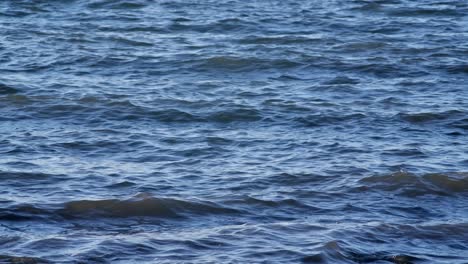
<point>152,131</point>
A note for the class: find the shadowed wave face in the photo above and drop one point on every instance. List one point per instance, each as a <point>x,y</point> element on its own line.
<point>233,131</point>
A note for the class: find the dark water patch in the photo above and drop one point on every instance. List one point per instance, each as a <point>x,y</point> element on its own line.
<point>117,5</point>
<point>279,204</point>
<point>236,115</point>
<point>45,244</point>
<point>360,46</point>
<point>409,211</point>
<point>21,165</point>
<point>409,184</point>
<point>360,257</point>
<point>96,147</point>
<point>173,115</point>
<point>416,83</point>
<point>374,257</point>
<point>286,106</point>
<point>315,258</point>
<point>425,12</point>
<point>218,26</point>
<point>140,206</point>
<point>430,116</point>
<point>234,63</point>
<point>341,252</point>
<point>15,99</point>
<point>411,152</point>
<point>365,6</point>
<point>385,234</point>
<point>21,260</point>
<point>280,40</point>
<point>123,184</point>
<point>382,70</point>
<point>131,42</point>
<point>329,119</point>
<point>7,240</point>
<point>97,110</point>
<point>6,89</point>
<point>445,233</point>
<point>61,111</point>
<point>462,124</point>
<point>24,212</point>
<point>458,69</point>
<point>219,141</point>
<point>28,176</point>
<point>341,80</point>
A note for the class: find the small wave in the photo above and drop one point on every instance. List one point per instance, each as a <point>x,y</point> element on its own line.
<point>367,7</point>
<point>409,184</point>
<point>21,260</point>
<point>414,12</point>
<point>241,63</point>
<point>59,111</point>
<point>462,124</point>
<point>23,213</point>
<point>97,111</point>
<point>280,40</point>
<point>173,115</point>
<point>15,99</point>
<point>279,203</point>
<point>458,69</point>
<point>329,119</point>
<point>297,179</point>
<point>402,152</point>
<point>341,80</point>
<point>116,5</point>
<point>123,184</point>
<point>361,46</point>
<point>96,108</point>
<point>347,251</point>
<point>429,116</point>
<point>28,176</point>
<point>219,26</point>
<point>140,206</point>
<point>340,252</point>
<point>445,232</point>
<point>131,42</point>
<point>384,70</point>
<point>20,165</point>
<point>235,115</point>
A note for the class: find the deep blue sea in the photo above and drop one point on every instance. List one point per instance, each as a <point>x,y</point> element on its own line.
<point>229,131</point>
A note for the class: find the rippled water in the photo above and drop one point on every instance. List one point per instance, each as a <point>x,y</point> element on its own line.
<point>233,131</point>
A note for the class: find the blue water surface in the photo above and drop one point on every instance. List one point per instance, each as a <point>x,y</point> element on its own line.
<point>153,131</point>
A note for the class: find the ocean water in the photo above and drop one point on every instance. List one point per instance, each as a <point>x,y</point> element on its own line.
<point>185,131</point>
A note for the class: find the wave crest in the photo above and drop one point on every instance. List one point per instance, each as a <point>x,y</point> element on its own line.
<point>413,185</point>
<point>140,206</point>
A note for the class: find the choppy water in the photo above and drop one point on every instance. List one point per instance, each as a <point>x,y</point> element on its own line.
<point>233,131</point>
